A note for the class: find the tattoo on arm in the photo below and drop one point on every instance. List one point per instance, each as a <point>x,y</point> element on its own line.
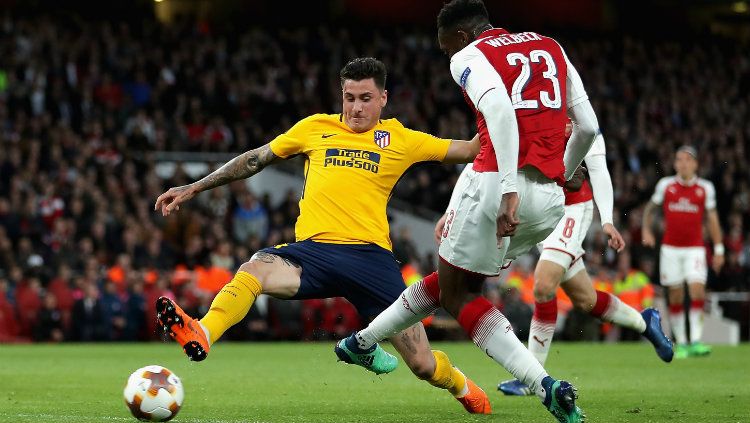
<point>243,166</point>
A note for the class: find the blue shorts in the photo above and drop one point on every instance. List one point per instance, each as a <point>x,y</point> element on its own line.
<point>365,274</point>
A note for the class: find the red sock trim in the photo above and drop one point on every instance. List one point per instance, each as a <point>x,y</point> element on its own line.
<point>697,304</point>
<point>431,286</point>
<point>470,314</point>
<point>675,308</point>
<point>546,312</point>
<point>603,300</point>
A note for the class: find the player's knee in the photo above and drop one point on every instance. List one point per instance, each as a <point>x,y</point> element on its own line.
<point>252,267</point>
<point>676,296</point>
<point>422,365</point>
<point>449,303</point>
<point>584,301</point>
<point>697,292</point>
<point>544,286</point>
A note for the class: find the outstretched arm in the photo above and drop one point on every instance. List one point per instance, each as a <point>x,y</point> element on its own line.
<point>243,166</point>
<point>461,151</point>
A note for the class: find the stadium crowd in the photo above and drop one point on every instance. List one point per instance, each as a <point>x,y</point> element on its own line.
<point>83,108</point>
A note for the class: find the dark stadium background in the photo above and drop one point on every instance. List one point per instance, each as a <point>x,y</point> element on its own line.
<point>95,96</point>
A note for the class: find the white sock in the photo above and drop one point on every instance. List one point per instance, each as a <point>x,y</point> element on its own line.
<point>677,320</point>
<point>414,305</point>
<point>696,324</point>
<point>494,335</point>
<point>624,315</point>
<point>540,339</point>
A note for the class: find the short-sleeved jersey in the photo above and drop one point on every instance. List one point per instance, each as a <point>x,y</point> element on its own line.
<point>534,72</point>
<point>586,193</point>
<point>684,205</point>
<point>349,176</point>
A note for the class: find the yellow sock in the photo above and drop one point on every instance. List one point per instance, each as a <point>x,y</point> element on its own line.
<point>231,304</point>
<point>446,376</point>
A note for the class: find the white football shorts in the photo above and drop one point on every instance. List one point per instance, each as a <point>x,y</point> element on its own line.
<point>564,246</point>
<point>469,241</point>
<point>682,264</point>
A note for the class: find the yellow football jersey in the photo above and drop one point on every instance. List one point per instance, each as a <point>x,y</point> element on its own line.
<point>349,176</point>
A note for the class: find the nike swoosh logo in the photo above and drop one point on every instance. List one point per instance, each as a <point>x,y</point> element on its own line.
<point>327,135</point>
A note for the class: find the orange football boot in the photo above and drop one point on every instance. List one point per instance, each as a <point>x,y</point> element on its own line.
<point>476,401</point>
<point>182,328</point>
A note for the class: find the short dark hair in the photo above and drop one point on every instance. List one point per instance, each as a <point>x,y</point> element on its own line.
<point>364,68</point>
<point>462,13</point>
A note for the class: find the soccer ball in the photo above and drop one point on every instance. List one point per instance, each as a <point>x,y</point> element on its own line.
<point>154,394</point>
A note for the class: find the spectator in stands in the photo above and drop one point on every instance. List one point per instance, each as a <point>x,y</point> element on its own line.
<point>134,314</point>
<point>113,312</point>
<point>88,316</point>
<point>49,322</point>
<point>77,174</point>
<point>250,218</point>
<point>8,321</point>
<point>28,303</point>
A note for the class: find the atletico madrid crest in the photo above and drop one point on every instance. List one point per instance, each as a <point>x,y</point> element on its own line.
<point>382,138</point>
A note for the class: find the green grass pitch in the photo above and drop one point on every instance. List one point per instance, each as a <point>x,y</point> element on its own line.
<point>302,382</point>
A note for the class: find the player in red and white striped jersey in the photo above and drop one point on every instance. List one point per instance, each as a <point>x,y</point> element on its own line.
<point>685,200</point>
<point>561,264</point>
<point>522,89</point>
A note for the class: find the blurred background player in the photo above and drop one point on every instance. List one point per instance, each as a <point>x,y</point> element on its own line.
<point>343,246</point>
<point>512,189</point>
<point>685,200</point>
<point>561,264</point>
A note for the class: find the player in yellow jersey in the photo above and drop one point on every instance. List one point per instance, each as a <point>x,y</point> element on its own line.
<point>343,248</point>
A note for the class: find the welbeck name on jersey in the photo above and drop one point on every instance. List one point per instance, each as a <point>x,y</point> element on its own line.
<point>508,39</point>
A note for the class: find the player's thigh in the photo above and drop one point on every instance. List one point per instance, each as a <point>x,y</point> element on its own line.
<point>541,207</point>
<point>580,290</point>
<point>671,266</point>
<point>368,276</point>
<point>563,249</point>
<point>414,347</point>
<point>469,240</point>
<point>676,293</point>
<point>279,276</point>
<point>565,243</point>
<point>696,267</point>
